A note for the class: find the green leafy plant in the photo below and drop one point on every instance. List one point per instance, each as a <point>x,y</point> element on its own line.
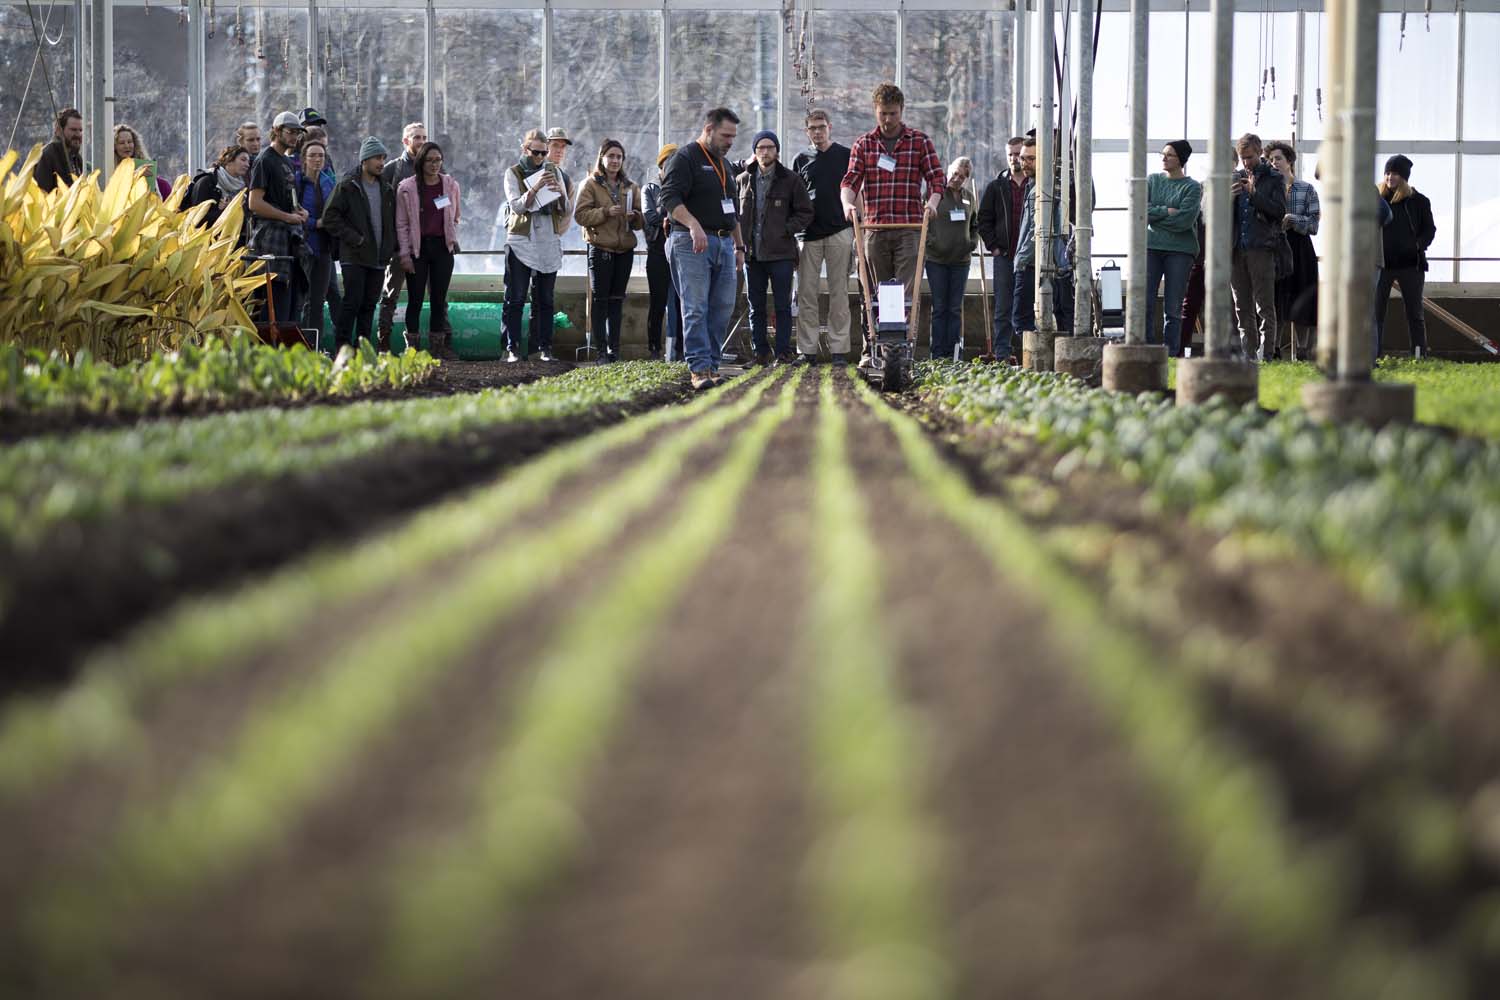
<point>1409,513</point>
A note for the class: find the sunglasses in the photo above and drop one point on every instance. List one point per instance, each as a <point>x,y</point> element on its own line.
<point>537,152</point>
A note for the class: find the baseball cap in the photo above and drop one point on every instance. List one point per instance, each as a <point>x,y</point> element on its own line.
<point>554,134</point>
<point>311,116</point>
<point>288,119</point>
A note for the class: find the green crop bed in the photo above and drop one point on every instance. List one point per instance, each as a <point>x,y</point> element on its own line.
<point>1408,512</point>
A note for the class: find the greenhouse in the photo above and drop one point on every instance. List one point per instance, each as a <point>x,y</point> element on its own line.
<point>865,499</point>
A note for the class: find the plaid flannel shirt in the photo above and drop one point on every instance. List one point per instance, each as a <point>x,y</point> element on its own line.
<point>1302,207</point>
<point>894,195</point>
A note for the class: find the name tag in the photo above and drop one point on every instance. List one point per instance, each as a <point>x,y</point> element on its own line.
<point>727,205</point>
<point>441,202</point>
<point>956,215</point>
<point>887,162</point>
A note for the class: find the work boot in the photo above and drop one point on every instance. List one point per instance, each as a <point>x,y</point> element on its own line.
<point>414,341</point>
<point>444,347</point>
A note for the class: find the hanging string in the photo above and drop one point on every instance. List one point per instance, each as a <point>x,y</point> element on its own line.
<point>1401,43</point>
<point>1271,30</point>
<point>1260,60</point>
<point>1319,70</point>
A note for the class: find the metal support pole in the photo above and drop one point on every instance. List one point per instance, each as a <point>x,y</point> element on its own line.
<point>1021,46</point>
<point>1002,33</point>
<point>197,89</point>
<point>1064,119</point>
<point>78,60</point>
<point>781,101</point>
<point>101,121</point>
<point>1331,161</point>
<point>1353,396</point>
<point>1045,194</point>
<point>901,49</point>
<point>664,79</point>
<point>314,58</point>
<point>1218,260</point>
<point>1361,70</point>
<point>546,64</point>
<point>1140,46</point>
<point>429,81</point>
<point>1083,231</point>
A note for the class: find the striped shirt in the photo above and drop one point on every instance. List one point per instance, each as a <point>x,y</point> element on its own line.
<point>894,195</point>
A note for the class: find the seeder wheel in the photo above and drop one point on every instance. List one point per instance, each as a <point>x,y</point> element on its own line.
<point>896,373</point>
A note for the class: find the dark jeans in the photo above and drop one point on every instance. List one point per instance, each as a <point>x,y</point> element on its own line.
<point>434,269</point>
<point>779,274</point>
<point>361,296</point>
<point>1023,311</point>
<point>1004,324</point>
<point>1411,280</point>
<point>947,284</point>
<point>518,278</point>
<point>1175,267</point>
<point>319,279</point>
<point>663,303</point>
<point>609,272</point>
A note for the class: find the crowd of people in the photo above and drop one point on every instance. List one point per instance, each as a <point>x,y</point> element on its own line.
<point>709,220</point>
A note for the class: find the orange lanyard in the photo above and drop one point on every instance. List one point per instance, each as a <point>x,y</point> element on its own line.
<point>723,183</point>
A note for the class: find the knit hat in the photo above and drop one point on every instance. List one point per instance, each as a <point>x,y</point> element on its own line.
<point>765,134</point>
<point>1399,164</point>
<point>371,147</point>
<point>1183,149</point>
<point>666,151</point>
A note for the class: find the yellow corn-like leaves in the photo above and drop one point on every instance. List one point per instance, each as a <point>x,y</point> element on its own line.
<point>115,271</point>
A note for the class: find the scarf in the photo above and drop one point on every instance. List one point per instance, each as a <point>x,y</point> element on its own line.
<point>229,184</point>
<point>1395,194</point>
<point>525,167</point>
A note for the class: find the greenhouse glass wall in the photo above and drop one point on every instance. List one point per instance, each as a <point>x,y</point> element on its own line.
<point>642,71</point>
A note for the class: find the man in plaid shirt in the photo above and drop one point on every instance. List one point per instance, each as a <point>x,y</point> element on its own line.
<point>888,165</point>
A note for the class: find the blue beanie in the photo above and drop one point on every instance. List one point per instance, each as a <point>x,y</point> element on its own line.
<point>371,147</point>
<point>765,134</point>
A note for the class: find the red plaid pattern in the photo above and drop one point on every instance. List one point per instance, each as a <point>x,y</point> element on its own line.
<point>894,196</point>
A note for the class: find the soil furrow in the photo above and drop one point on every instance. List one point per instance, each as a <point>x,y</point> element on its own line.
<point>305,917</point>
<point>688,887</point>
<point>1365,727</point>
<point>1065,876</point>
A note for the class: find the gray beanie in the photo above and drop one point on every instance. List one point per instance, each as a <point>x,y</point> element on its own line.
<point>371,147</point>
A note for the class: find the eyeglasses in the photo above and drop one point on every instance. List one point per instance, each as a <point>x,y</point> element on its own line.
<point>765,147</point>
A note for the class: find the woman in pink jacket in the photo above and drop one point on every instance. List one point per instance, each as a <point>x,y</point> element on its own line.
<point>426,238</point>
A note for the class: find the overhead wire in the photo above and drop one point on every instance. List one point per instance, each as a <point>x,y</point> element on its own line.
<point>43,42</point>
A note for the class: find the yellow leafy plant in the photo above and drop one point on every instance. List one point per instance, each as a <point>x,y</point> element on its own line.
<point>118,271</point>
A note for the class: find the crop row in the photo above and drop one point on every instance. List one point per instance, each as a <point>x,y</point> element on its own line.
<point>51,480</point>
<point>239,373</point>
<point>526,824</point>
<point>876,863</point>
<point>1407,512</point>
<point>1289,891</point>
<point>291,748</point>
